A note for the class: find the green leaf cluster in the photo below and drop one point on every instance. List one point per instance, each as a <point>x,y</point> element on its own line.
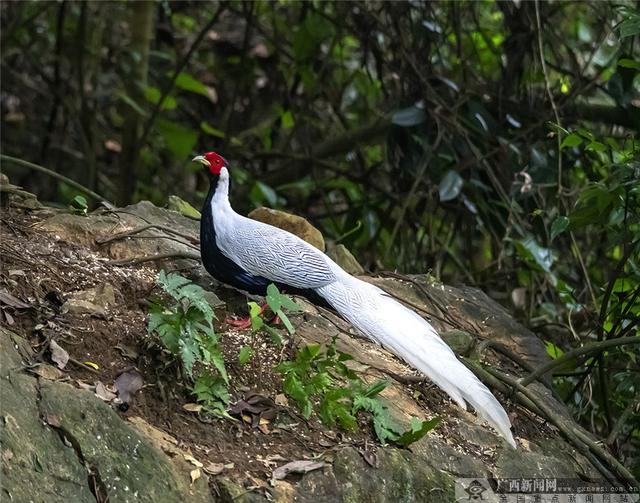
<point>322,376</point>
<point>184,324</point>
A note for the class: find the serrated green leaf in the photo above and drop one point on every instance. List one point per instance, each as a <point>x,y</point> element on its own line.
<point>418,430</point>
<point>319,383</point>
<point>293,388</point>
<point>218,362</point>
<point>188,354</point>
<point>308,353</point>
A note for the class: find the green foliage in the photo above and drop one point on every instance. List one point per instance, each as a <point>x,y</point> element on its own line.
<point>185,327</point>
<point>246,352</point>
<point>276,301</point>
<point>79,205</point>
<point>322,376</point>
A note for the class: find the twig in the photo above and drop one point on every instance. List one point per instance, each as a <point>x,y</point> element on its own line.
<point>548,88</point>
<point>617,427</point>
<point>125,234</point>
<point>84,366</point>
<point>58,176</point>
<point>159,256</point>
<point>505,351</point>
<point>578,438</point>
<point>583,351</point>
<point>426,160</point>
<point>607,295</point>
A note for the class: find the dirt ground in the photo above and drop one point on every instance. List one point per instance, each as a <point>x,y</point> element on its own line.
<point>42,272</point>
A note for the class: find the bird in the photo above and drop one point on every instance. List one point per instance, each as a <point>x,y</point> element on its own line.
<point>249,255</point>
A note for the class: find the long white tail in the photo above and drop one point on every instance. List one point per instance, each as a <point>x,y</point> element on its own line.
<point>410,337</point>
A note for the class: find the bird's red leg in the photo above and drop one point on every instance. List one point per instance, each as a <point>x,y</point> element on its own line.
<point>244,323</point>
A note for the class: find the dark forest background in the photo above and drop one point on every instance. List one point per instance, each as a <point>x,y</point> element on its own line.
<point>486,143</point>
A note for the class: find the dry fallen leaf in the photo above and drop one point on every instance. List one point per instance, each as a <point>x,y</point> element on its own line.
<point>47,371</point>
<point>10,300</point>
<point>59,356</point>
<point>156,436</point>
<point>128,351</point>
<point>193,460</point>
<point>53,420</point>
<point>8,317</point>
<point>214,468</point>
<point>270,460</point>
<point>300,466</point>
<point>103,393</point>
<point>85,385</point>
<point>192,407</point>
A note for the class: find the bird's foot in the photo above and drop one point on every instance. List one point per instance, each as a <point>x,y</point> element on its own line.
<point>244,323</point>
<point>241,323</point>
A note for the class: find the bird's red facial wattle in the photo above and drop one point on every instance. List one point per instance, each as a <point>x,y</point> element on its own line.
<point>213,161</point>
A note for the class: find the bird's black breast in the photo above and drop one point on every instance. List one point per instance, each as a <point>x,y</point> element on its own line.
<point>227,271</point>
<point>219,265</point>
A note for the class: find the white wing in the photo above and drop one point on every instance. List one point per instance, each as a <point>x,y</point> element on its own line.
<point>275,254</point>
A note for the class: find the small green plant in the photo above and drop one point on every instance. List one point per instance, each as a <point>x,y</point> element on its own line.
<point>324,377</point>
<point>277,302</point>
<point>245,354</point>
<point>185,327</point>
<point>79,205</point>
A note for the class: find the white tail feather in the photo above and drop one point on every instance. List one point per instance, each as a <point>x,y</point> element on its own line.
<point>410,337</point>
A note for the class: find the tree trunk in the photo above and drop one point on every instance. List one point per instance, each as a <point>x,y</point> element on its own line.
<point>141,33</point>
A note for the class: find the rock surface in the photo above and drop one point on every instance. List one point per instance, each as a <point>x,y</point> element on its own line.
<point>61,443</point>
<point>344,258</point>
<point>64,444</point>
<point>292,223</point>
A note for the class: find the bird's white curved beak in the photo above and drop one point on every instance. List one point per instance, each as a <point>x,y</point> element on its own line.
<point>201,159</point>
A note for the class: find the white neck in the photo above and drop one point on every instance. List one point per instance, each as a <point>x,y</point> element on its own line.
<point>221,195</point>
